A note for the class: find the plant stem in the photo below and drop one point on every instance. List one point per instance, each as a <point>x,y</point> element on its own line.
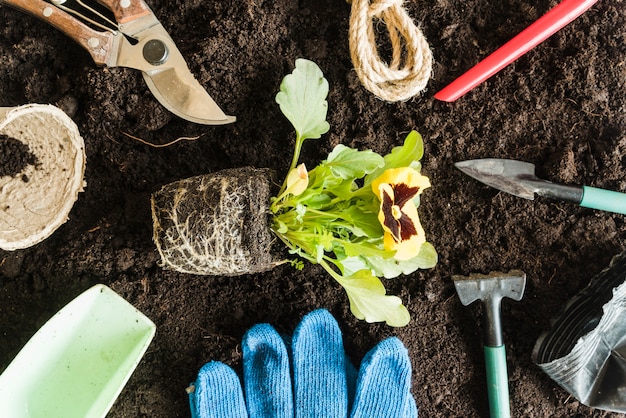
<point>294,160</point>
<point>296,151</point>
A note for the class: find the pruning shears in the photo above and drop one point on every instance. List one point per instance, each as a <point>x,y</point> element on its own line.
<point>135,39</point>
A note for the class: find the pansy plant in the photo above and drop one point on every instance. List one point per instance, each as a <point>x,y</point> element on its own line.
<point>356,213</point>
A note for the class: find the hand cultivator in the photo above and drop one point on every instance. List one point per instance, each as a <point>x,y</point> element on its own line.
<point>490,290</point>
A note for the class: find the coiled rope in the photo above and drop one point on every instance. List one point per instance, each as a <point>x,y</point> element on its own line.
<point>407,75</point>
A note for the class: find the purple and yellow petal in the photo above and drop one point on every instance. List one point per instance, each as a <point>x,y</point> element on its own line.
<point>396,189</point>
<point>411,235</point>
<point>408,249</point>
<point>385,214</point>
<point>407,176</point>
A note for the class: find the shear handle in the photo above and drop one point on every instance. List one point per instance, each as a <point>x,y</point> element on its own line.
<point>126,10</point>
<point>98,44</point>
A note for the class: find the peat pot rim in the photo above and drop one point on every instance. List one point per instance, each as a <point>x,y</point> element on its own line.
<point>37,201</point>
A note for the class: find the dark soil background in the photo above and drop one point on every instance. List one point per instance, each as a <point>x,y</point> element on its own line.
<point>562,107</point>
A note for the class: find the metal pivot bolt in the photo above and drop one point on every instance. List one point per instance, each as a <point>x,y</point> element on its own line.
<point>155,52</point>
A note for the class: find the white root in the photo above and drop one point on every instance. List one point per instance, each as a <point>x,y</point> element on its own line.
<point>214,224</point>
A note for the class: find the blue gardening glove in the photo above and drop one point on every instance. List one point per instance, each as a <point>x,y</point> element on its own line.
<point>325,384</point>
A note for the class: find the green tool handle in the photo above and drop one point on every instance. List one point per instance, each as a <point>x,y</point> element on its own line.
<point>601,199</point>
<point>497,382</point>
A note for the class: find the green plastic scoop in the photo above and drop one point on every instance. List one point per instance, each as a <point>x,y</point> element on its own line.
<point>518,178</point>
<point>77,364</point>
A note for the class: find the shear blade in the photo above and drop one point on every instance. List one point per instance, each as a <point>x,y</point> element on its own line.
<point>167,76</point>
<point>182,95</point>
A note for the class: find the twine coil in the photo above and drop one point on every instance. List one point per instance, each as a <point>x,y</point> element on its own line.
<point>407,75</point>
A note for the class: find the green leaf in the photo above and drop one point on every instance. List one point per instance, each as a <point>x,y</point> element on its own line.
<point>321,178</point>
<point>406,155</point>
<point>314,199</point>
<point>280,227</point>
<point>403,156</point>
<point>297,264</point>
<point>427,257</point>
<point>344,190</point>
<point>365,222</point>
<point>369,301</point>
<point>352,264</point>
<point>349,163</point>
<point>300,211</point>
<point>302,99</point>
<point>365,249</point>
<point>389,267</point>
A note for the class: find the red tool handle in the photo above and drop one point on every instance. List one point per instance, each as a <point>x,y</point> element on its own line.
<point>98,44</point>
<point>544,27</point>
<point>126,10</point>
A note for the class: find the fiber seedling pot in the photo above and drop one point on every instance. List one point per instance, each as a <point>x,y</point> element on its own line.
<point>43,163</point>
<point>215,224</point>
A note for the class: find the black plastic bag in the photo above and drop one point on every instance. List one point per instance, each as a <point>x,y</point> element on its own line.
<point>585,351</point>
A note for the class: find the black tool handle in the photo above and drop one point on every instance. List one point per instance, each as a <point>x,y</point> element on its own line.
<point>492,323</point>
<point>559,191</point>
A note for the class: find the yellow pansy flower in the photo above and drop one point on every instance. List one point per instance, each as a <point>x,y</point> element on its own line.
<point>396,188</point>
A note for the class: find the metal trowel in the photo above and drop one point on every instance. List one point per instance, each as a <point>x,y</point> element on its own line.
<point>518,178</point>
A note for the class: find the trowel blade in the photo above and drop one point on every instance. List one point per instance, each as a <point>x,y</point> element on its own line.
<point>511,176</point>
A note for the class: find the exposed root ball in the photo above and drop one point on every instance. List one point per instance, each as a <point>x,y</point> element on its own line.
<point>215,224</point>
